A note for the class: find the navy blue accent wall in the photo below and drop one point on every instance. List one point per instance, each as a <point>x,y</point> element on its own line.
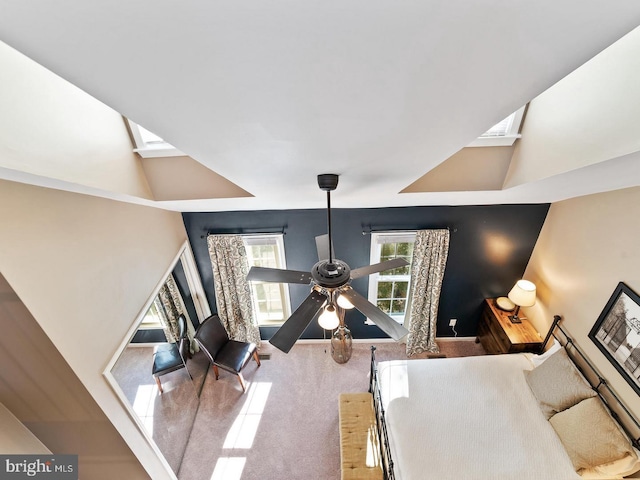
<point>149,335</point>
<point>489,250</point>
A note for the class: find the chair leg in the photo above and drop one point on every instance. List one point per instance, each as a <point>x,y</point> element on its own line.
<point>215,371</point>
<point>242,384</point>
<point>256,357</point>
<point>159,384</point>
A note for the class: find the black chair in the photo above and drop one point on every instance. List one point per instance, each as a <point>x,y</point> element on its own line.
<point>223,352</point>
<point>170,357</point>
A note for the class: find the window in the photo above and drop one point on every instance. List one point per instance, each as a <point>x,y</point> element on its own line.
<point>151,319</point>
<point>502,134</point>
<point>389,290</point>
<point>150,145</point>
<point>270,300</point>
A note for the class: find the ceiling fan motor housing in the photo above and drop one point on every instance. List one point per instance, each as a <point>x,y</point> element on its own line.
<point>331,274</point>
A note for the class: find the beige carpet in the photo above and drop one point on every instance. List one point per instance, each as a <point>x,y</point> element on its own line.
<point>168,418</point>
<point>286,425</point>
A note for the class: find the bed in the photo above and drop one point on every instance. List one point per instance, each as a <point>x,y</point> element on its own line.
<point>485,418</point>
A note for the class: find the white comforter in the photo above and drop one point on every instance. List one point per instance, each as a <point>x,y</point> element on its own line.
<point>468,418</point>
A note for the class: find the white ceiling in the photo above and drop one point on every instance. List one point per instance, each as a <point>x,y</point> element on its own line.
<point>269,94</point>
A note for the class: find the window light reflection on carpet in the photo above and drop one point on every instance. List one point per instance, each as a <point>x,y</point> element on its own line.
<point>229,468</point>
<point>143,405</point>
<point>245,426</point>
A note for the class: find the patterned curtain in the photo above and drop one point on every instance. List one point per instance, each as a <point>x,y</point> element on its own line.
<point>427,271</point>
<point>233,295</point>
<point>170,306</point>
<point>164,319</point>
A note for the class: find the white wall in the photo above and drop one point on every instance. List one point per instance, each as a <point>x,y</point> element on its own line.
<point>51,128</point>
<point>587,245</point>
<point>15,438</point>
<point>590,116</point>
<point>84,267</point>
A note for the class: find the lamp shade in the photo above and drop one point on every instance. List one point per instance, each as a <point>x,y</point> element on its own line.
<point>523,293</point>
<point>329,318</point>
<point>344,302</point>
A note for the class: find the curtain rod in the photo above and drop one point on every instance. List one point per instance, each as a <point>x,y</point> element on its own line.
<point>247,232</point>
<point>370,230</point>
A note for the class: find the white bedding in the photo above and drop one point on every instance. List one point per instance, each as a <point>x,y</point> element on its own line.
<point>468,418</point>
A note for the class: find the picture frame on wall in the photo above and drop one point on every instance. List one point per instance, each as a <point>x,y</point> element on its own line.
<point>617,333</point>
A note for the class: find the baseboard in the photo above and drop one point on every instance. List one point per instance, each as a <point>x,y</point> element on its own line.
<point>456,339</point>
<point>385,340</point>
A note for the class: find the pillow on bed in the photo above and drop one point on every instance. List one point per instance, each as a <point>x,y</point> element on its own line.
<point>619,469</point>
<point>590,436</point>
<point>557,384</point>
<point>537,360</point>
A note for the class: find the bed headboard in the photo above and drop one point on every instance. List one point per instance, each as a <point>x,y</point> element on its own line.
<point>617,408</point>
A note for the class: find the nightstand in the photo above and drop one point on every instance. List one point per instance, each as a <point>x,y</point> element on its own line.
<point>498,335</point>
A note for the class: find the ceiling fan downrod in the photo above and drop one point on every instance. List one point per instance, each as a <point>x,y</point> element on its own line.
<point>329,228</point>
<point>329,182</point>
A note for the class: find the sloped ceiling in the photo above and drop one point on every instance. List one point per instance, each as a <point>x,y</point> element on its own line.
<point>270,94</point>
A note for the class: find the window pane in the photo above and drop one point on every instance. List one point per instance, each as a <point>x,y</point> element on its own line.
<point>406,270</point>
<point>404,249</point>
<point>400,289</point>
<point>271,300</point>
<point>389,289</point>
<point>388,250</point>
<point>263,256</point>
<point>398,306</point>
<point>385,289</point>
<point>384,305</point>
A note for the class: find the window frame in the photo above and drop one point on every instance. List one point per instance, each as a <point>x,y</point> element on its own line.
<point>150,320</point>
<point>254,239</point>
<point>506,140</point>
<point>377,240</point>
<point>155,149</point>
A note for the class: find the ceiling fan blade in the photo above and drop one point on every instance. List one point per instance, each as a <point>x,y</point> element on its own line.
<point>291,330</point>
<point>322,244</point>
<point>378,267</point>
<point>387,324</point>
<point>264,274</point>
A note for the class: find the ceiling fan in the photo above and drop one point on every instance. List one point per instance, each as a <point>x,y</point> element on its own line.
<point>330,281</point>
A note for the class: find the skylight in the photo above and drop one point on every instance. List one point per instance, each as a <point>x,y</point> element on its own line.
<point>502,134</point>
<point>150,145</point>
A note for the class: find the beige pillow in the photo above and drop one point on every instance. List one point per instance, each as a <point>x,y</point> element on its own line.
<point>557,384</point>
<point>538,360</point>
<point>590,436</point>
<point>619,469</point>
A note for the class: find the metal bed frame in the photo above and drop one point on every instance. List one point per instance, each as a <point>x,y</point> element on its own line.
<point>599,385</point>
<point>383,437</point>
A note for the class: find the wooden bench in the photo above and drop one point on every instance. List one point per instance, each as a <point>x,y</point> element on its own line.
<point>359,444</point>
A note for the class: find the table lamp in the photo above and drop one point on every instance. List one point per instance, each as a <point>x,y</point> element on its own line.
<point>523,294</point>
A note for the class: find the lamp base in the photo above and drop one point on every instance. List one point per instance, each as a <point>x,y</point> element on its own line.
<point>515,319</point>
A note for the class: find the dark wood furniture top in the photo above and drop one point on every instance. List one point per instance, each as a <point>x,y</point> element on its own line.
<point>498,335</point>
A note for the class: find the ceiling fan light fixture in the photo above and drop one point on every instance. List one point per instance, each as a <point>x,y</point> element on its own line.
<point>329,318</point>
<point>344,302</point>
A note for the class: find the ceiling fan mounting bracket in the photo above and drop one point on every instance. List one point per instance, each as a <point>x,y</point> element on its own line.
<point>328,181</point>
